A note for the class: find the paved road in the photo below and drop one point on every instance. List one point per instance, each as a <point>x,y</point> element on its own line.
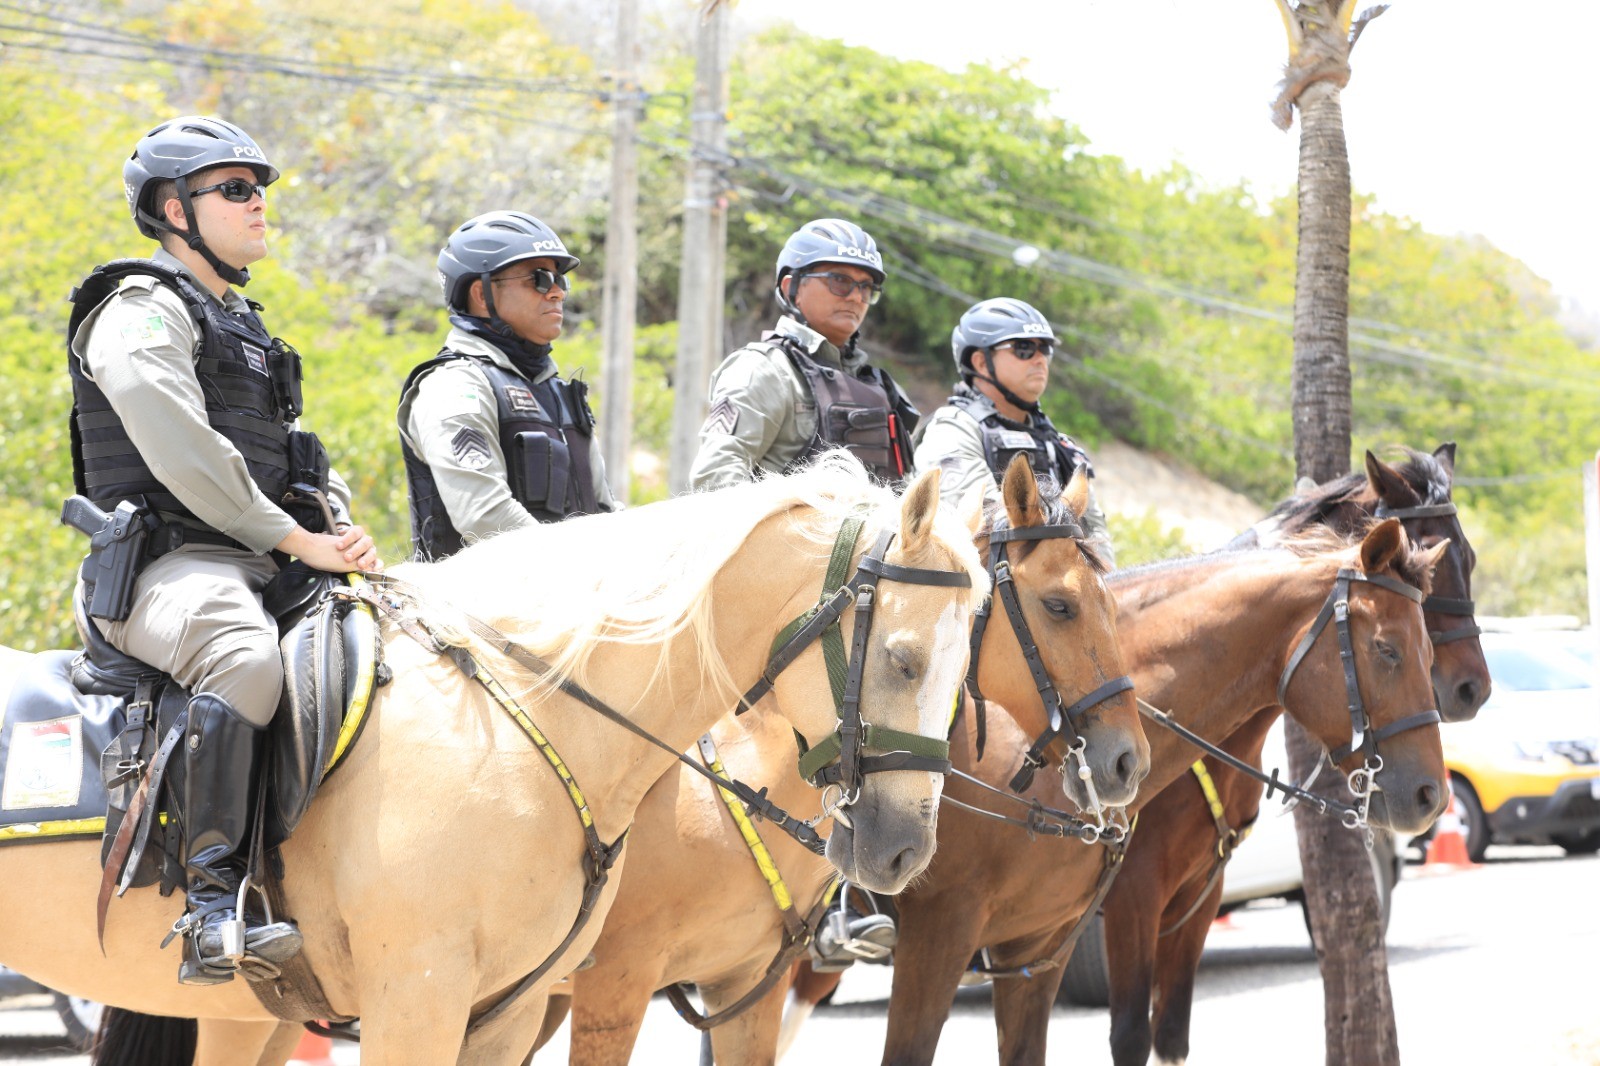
<point>1493,965</point>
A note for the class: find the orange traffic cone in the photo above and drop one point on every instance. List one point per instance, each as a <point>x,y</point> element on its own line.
<point>1449,845</point>
<point>313,1050</point>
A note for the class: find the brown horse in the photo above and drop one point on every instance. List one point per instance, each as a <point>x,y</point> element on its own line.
<point>1209,639</point>
<point>443,865</point>
<point>1171,873</point>
<point>694,906</point>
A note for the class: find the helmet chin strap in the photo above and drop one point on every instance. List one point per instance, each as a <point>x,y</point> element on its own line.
<point>1011,397</point>
<point>231,274</point>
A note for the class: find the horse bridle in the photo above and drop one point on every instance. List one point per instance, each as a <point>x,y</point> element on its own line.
<point>1438,604</point>
<point>839,760</point>
<point>1363,736</point>
<point>1062,730</point>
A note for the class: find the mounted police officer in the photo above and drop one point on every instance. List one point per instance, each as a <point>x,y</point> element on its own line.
<point>806,386</point>
<point>1002,350</point>
<point>185,404</point>
<point>493,438</point>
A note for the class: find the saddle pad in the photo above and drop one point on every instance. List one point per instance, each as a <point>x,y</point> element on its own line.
<point>51,737</point>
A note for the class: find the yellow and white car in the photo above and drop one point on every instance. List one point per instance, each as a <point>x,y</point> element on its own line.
<point>1526,770</point>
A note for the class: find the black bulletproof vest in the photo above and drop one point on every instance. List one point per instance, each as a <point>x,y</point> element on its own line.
<point>545,430</point>
<point>1048,451</point>
<point>858,410</point>
<point>251,383</point>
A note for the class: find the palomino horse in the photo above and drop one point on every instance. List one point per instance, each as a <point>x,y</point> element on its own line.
<point>694,906</point>
<point>1211,639</point>
<point>1161,907</point>
<point>444,864</point>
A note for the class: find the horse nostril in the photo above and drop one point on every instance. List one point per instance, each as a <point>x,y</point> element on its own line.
<point>1467,694</point>
<point>1127,766</point>
<point>1428,799</point>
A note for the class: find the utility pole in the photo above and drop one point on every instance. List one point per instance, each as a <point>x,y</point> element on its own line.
<point>704,231</point>
<point>619,299</point>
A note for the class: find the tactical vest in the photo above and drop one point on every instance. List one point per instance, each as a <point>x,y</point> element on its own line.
<point>859,410</point>
<point>1047,449</point>
<point>250,379</point>
<point>545,430</point>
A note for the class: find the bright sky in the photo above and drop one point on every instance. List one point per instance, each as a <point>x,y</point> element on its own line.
<point>1469,116</point>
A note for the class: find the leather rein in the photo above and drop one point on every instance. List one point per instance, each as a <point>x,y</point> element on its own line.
<point>1363,736</point>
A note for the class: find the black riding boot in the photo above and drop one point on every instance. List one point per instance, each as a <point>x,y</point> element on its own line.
<point>221,750</point>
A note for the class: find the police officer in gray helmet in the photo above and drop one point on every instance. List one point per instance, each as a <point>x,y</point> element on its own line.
<point>806,386</point>
<point>493,438</point>
<point>184,405</point>
<point>1002,351</point>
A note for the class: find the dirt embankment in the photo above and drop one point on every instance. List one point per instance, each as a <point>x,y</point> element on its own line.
<point>1135,483</point>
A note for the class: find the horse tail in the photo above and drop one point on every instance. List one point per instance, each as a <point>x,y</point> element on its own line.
<point>128,1038</point>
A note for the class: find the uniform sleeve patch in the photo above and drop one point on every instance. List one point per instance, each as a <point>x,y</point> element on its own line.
<point>147,331</point>
<point>722,418</point>
<point>471,448</point>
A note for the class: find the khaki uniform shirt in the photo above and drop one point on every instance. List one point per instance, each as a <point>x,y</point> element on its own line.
<point>952,440</point>
<point>458,396</point>
<point>762,413</point>
<point>148,376</point>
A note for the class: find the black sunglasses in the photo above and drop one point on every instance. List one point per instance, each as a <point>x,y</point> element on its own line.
<point>236,189</point>
<point>843,285</point>
<point>542,280</point>
<point>1026,349</point>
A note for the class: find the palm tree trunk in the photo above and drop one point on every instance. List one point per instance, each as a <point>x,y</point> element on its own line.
<point>1321,389</point>
<point>1341,896</point>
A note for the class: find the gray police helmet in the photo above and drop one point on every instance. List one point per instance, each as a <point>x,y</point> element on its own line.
<point>180,148</point>
<point>829,240</point>
<point>991,322</point>
<point>487,242</point>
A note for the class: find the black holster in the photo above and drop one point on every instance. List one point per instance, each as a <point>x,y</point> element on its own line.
<point>117,552</point>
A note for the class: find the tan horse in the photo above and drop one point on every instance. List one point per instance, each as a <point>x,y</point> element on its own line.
<point>695,908</point>
<point>442,864</point>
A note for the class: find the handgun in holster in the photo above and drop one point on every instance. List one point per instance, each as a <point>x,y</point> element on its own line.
<point>117,551</point>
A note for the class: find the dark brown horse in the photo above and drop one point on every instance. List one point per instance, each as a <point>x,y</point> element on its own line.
<point>1160,909</point>
<point>1209,639</point>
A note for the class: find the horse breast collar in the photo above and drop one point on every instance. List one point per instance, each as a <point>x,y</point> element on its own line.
<point>1438,604</point>
<point>1063,721</point>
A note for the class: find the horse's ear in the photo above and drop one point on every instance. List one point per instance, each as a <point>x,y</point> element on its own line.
<point>1390,485</point>
<point>1383,543</point>
<point>971,506</point>
<point>1076,494</point>
<point>1021,494</point>
<point>1431,556</point>
<point>917,509</point>
<point>1446,455</point>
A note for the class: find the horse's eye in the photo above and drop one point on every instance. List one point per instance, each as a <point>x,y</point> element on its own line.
<point>903,664</point>
<point>1388,651</point>
<point>1063,609</point>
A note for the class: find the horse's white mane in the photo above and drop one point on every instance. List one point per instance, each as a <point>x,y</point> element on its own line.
<point>644,575</point>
